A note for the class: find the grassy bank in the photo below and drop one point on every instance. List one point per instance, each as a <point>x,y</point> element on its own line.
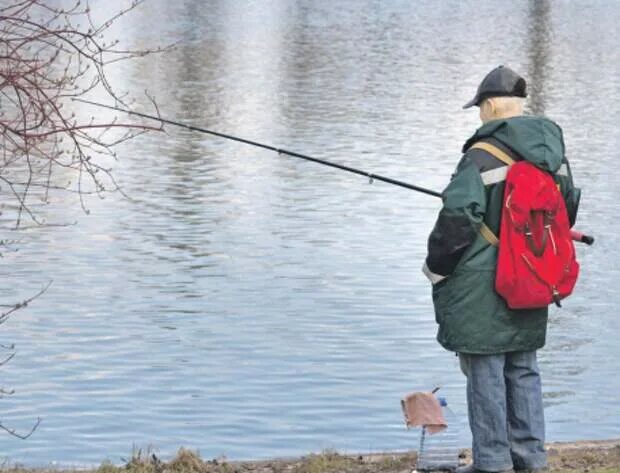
<point>590,457</point>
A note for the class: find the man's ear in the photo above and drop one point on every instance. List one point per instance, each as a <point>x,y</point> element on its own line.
<point>492,106</point>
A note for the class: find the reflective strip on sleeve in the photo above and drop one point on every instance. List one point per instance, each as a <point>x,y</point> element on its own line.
<point>499,174</point>
<point>494,175</point>
<point>563,171</point>
<point>434,278</point>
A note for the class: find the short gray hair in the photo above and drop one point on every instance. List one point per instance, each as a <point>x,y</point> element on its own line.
<point>507,105</point>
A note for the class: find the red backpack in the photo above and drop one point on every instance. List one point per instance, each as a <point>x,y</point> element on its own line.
<point>536,262</point>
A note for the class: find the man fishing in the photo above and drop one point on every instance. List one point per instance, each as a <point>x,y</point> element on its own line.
<point>496,345</point>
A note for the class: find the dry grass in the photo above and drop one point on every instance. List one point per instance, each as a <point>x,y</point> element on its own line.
<point>587,457</point>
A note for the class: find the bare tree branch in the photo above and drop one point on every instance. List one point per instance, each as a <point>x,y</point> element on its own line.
<point>46,59</point>
<point>21,436</point>
<point>7,359</point>
<point>21,305</point>
<point>50,55</point>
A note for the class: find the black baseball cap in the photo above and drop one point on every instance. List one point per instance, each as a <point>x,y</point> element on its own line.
<point>500,82</point>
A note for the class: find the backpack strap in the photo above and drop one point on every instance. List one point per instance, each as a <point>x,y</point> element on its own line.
<point>493,150</point>
<point>488,235</point>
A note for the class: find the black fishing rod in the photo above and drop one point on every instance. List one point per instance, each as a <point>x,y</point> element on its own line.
<point>371,176</point>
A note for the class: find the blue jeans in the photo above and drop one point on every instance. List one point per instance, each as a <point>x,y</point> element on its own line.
<point>505,410</point>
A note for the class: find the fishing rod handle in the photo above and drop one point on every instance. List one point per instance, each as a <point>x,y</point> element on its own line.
<point>582,237</point>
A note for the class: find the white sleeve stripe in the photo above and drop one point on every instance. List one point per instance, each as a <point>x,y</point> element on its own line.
<point>434,278</point>
<point>563,171</point>
<point>499,174</point>
<point>494,175</point>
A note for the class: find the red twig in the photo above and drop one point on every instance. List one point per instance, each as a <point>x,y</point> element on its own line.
<point>46,58</point>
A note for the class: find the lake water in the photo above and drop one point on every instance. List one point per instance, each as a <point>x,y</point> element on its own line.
<point>252,305</point>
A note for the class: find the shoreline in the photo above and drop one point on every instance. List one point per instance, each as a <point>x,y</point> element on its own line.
<point>590,456</point>
<point>596,456</point>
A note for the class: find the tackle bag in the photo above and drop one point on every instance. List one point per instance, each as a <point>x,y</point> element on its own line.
<point>536,258</point>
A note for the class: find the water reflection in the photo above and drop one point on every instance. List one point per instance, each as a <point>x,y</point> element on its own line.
<point>539,42</point>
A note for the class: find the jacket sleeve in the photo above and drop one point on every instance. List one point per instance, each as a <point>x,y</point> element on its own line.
<point>458,223</point>
<point>571,194</point>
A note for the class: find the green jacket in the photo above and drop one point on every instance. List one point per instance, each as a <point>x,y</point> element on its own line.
<point>461,263</point>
